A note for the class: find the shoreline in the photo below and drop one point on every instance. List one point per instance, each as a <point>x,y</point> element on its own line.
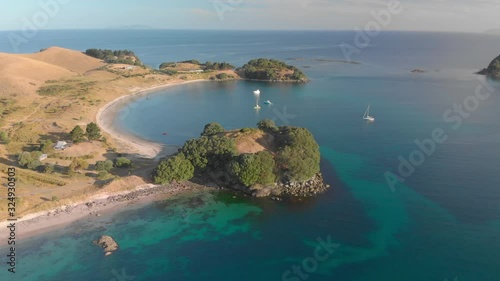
<point>127,142</point>
<point>92,208</point>
<point>46,221</point>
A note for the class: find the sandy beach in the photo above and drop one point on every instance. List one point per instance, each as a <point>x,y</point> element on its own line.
<point>93,208</point>
<point>129,143</point>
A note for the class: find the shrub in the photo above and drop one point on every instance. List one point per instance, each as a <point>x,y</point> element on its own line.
<point>78,164</point>
<point>267,126</point>
<point>123,162</point>
<point>103,175</point>
<point>177,168</point>
<point>212,129</point>
<point>4,137</point>
<point>104,165</point>
<point>222,76</point>
<point>54,198</point>
<point>48,168</point>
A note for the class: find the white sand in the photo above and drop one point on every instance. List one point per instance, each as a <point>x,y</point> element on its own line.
<point>127,142</point>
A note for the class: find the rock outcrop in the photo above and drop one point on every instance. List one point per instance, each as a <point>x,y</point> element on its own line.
<point>108,244</point>
<point>308,188</point>
<point>493,69</point>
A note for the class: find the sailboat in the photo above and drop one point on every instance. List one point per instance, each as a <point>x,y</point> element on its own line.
<point>257,96</point>
<point>367,116</point>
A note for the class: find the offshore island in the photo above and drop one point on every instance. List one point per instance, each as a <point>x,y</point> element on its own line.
<point>493,69</point>
<point>56,112</point>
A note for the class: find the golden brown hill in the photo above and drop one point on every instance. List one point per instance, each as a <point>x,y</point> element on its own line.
<point>72,60</point>
<point>22,76</point>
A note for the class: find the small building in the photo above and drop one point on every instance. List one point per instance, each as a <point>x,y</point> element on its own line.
<point>43,157</point>
<point>61,145</point>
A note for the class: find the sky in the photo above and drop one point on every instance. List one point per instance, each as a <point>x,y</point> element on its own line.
<point>411,15</point>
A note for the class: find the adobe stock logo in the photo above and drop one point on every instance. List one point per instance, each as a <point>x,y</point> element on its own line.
<point>48,9</point>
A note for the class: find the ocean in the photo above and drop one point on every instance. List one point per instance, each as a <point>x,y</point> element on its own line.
<point>440,220</point>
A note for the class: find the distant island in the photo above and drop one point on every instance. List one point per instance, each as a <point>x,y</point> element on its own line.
<point>264,161</point>
<point>493,69</point>
<point>271,70</point>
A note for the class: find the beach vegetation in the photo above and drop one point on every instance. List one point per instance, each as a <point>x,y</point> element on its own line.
<point>177,168</point>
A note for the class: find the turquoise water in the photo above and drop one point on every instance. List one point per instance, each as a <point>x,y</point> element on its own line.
<point>442,223</point>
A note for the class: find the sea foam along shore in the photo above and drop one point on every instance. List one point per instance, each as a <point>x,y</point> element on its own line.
<point>127,142</point>
<point>92,207</point>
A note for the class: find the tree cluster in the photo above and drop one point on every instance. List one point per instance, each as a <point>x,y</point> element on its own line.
<point>91,133</point>
<point>118,56</point>
<point>296,157</point>
<point>271,70</point>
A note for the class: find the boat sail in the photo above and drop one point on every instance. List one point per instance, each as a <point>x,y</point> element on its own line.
<point>257,97</point>
<point>367,115</point>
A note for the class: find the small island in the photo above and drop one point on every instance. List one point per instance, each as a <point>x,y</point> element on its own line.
<point>493,69</point>
<point>264,161</point>
<point>271,70</point>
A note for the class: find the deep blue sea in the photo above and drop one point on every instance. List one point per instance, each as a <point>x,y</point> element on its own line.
<point>441,223</point>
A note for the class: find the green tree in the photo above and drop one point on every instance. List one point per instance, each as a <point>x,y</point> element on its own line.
<point>177,168</point>
<point>267,125</point>
<point>47,146</point>
<point>123,162</point>
<point>104,165</point>
<point>93,131</point>
<point>251,169</point>
<point>298,156</point>
<point>246,169</point>
<point>29,160</point>
<point>267,164</point>
<point>212,129</point>
<point>77,134</point>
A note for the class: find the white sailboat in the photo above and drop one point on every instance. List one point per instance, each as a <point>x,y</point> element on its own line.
<point>257,97</point>
<point>367,116</point>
